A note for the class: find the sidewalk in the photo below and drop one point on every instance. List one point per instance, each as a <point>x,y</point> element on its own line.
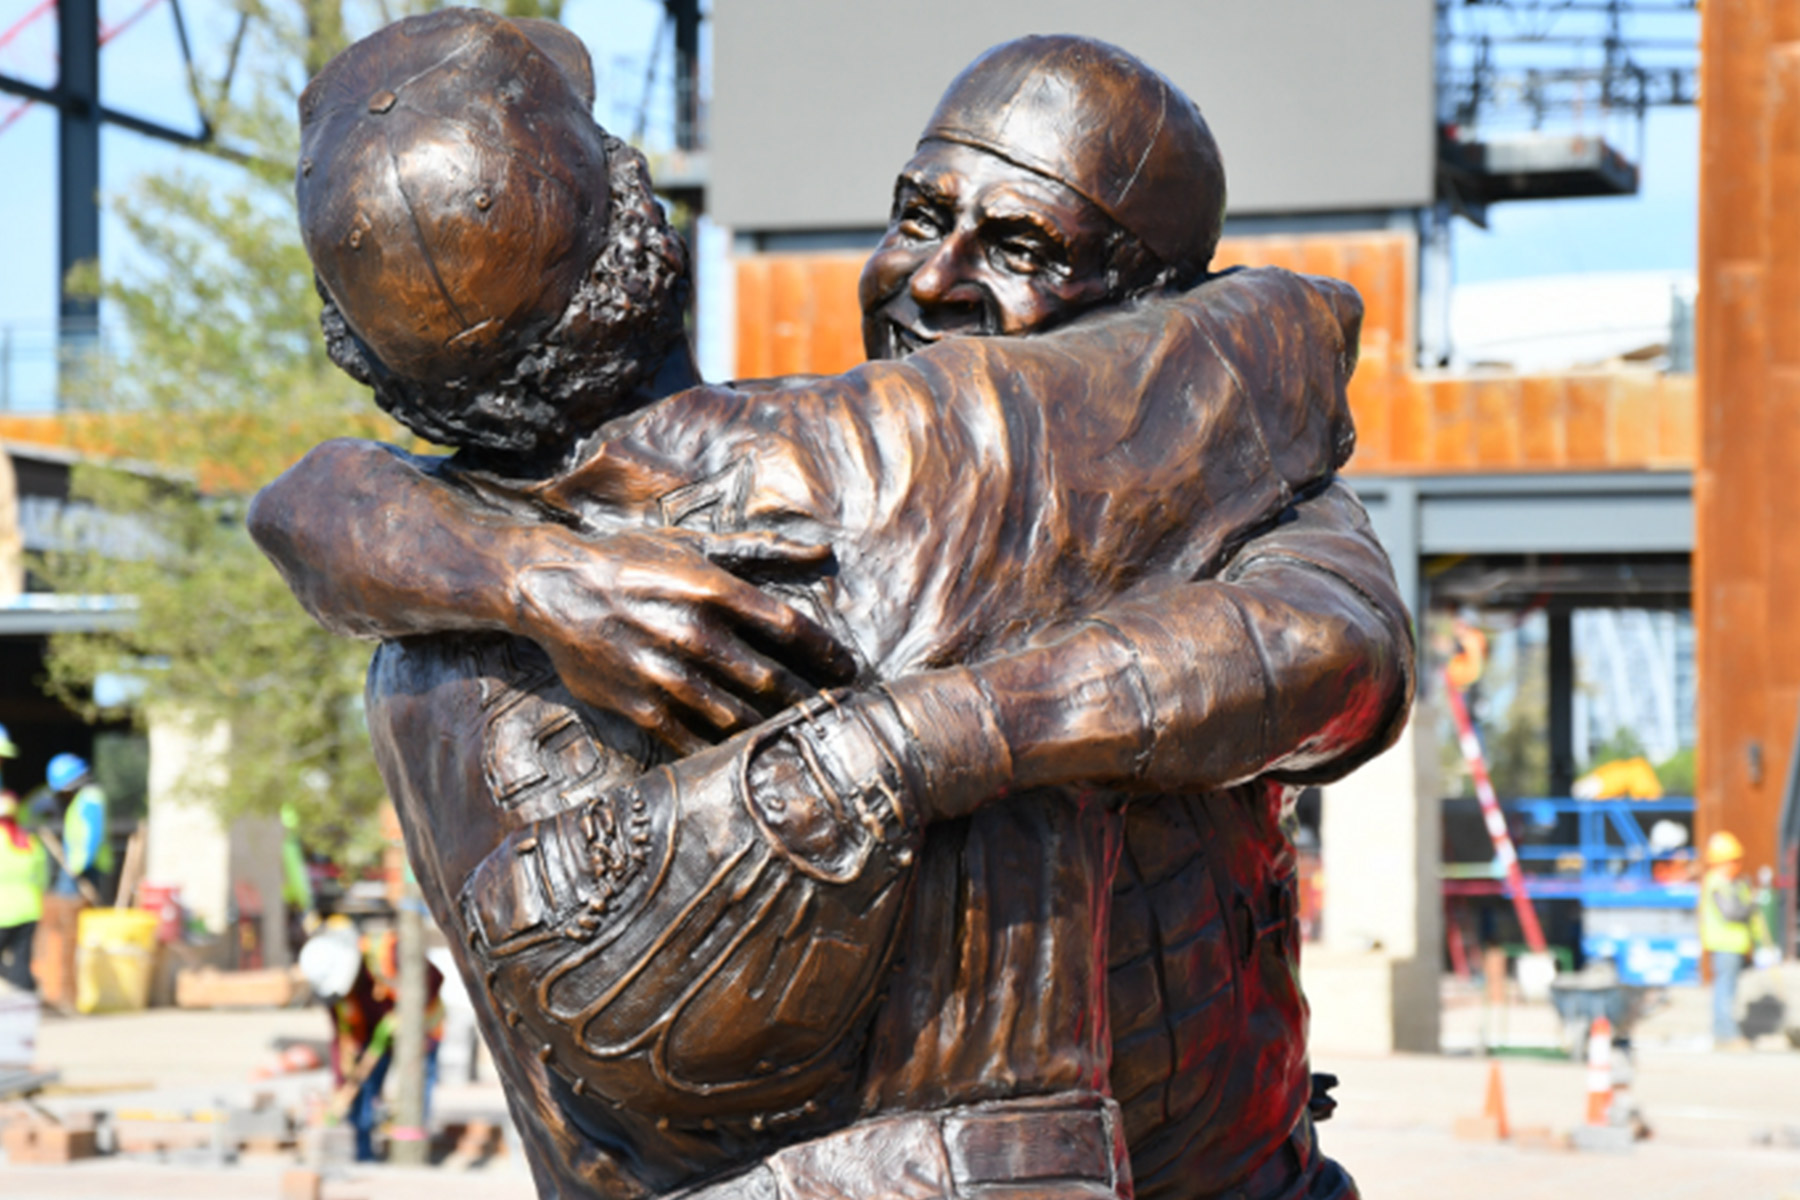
<point>1708,1113</point>
<point>1714,1116</point>
<point>175,1062</point>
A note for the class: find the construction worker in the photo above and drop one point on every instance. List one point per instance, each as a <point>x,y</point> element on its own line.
<point>296,881</point>
<point>1730,929</point>
<point>358,980</point>
<point>24,875</point>
<point>86,852</point>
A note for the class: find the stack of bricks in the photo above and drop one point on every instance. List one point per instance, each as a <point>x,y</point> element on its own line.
<point>35,1141</point>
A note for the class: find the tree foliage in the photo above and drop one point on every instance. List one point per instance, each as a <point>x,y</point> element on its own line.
<point>221,383</point>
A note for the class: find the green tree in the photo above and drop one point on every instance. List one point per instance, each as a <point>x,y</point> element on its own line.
<point>221,383</point>
<point>1677,772</point>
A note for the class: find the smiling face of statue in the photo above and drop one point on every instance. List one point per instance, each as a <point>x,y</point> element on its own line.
<point>979,245</point>
<point>1057,174</point>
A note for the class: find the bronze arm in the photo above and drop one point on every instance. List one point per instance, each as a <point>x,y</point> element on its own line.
<point>648,623</point>
<point>1296,661</point>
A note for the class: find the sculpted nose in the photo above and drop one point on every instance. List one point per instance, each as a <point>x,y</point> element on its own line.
<point>948,277</point>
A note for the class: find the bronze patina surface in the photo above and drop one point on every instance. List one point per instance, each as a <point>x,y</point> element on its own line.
<point>865,786</point>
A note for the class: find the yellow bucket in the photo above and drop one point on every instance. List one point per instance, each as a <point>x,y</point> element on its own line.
<point>115,952</point>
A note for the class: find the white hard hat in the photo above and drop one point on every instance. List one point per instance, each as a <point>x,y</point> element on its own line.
<point>330,961</point>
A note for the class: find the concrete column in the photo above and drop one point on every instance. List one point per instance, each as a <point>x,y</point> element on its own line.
<point>1372,979</point>
<point>191,847</point>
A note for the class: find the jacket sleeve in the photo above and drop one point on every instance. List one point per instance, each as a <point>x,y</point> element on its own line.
<point>1296,661</point>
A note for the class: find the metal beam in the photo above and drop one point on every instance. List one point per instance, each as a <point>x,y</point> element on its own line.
<point>686,16</point>
<point>1562,700</point>
<point>201,140</point>
<point>1613,513</point>
<point>1623,512</point>
<point>78,158</point>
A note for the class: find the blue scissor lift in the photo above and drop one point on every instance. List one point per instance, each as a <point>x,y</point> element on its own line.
<point>1643,924</point>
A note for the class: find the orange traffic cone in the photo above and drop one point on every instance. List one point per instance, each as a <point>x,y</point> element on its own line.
<point>1495,1108</point>
<point>1599,1073</point>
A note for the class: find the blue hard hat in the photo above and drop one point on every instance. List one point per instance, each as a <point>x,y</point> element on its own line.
<point>64,771</point>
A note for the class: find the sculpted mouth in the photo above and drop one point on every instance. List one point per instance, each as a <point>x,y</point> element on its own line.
<point>906,341</point>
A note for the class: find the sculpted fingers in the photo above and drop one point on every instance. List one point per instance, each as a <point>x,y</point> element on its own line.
<point>795,639</point>
<point>653,716</point>
<point>693,704</point>
<point>799,643</point>
<point>754,549</point>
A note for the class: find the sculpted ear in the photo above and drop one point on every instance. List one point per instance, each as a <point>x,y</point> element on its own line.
<point>565,50</point>
<point>1347,307</point>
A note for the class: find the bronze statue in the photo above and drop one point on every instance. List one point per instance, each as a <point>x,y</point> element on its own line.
<point>1096,595</point>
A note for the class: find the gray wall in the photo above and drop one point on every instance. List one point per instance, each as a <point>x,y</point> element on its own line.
<point>1319,105</point>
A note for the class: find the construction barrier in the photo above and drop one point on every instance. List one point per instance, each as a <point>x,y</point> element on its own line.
<point>1600,1073</point>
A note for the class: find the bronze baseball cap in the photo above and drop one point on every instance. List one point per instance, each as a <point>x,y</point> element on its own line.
<point>453,186</point>
<point>1099,121</point>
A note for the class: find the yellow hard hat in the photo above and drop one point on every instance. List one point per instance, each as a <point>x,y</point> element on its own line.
<point>1723,847</point>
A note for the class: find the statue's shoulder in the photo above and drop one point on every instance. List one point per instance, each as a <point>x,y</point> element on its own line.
<point>1259,291</point>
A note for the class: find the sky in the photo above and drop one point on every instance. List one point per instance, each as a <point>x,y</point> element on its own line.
<point>142,73</point>
<point>1656,230</point>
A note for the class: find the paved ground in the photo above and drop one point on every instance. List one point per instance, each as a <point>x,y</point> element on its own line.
<point>1727,1125</point>
<point>1708,1113</point>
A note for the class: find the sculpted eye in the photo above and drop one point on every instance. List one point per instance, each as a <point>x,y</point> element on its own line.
<point>1021,257</point>
<point>920,221</point>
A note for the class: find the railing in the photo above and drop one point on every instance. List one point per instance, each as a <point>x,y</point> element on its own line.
<point>35,357</point>
<point>1611,861</point>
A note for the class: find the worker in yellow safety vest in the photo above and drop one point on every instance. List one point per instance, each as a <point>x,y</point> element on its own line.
<point>24,874</point>
<point>87,853</point>
<point>1731,928</point>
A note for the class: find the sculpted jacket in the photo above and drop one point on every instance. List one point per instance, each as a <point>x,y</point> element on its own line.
<point>1155,487</point>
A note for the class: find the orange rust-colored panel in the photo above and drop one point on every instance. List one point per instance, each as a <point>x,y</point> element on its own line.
<point>1677,401</point>
<point>53,431</point>
<point>1541,423</point>
<point>1784,187</point>
<point>1733,705</point>
<point>752,318</point>
<point>1585,436</point>
<point>1734,80</point>
<point>837,326</point>
<point>792,310</point>
<point>1451,442</point>
<point>1322,256</point>
<point>1780,451</point>
<point>1746,501</point>
<point>1631,417</point>
<point>1738,423</point>
<point>1496,409</point>
<point>1784,23</point>
<point>1371,405</point>
<point>1258,252</point>
<point>1409,423</point>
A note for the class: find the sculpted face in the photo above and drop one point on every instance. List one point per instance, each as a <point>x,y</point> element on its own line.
<point>978,245</point>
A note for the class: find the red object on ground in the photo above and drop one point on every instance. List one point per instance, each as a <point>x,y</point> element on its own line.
<point>163,899</point>
<point>1495,1108</point>
<point>300,1057</point>
<point>1599,1073</point>
<point>1494,818</point>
